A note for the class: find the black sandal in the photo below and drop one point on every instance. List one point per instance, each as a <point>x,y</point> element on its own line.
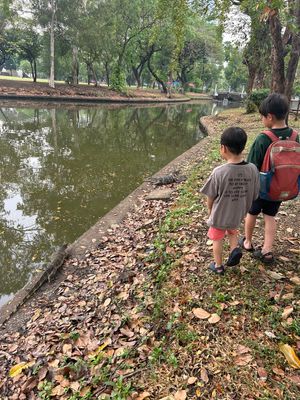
<point>217,270</point>
<point>242,246</point>
<point>266,258</point>
<point>234,257</point>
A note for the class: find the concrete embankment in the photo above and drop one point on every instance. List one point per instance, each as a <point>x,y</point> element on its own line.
<point>92,100</point>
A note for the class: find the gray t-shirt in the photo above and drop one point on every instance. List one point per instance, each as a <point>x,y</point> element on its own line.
<point>233,187</point>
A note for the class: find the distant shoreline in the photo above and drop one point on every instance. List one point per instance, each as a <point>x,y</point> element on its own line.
<point>37,91</point>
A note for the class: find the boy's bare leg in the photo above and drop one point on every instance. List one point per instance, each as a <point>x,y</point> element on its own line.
<point>270,231</point>
<point>250,222</point>
<point>217,252</point>
<point>233,240</point>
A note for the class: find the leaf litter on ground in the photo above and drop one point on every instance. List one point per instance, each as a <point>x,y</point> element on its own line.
<point>142,317</point>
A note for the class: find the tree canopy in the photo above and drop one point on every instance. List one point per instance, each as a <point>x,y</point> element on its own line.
<point>145,42</point>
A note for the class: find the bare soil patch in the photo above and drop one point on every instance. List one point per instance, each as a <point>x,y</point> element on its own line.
<point>25,88</point>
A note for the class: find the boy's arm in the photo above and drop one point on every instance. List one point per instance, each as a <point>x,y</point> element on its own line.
<point>210,189</point>
<point>258,150</point>
<point>210,202</point>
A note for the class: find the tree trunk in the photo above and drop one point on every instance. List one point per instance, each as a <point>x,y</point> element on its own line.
<point>164,87</point>
<point>75,65</point>
<point>88,73</point>
<point>259,79</point>
<point>51,78</point>
<point>295,53</point>
<point>107,73</point>
<point>34,71</point>
<point>183,79</point>
<point>251,78</point>
<point>94,75</point>
<point>137,76</point>
<point>277,58</point>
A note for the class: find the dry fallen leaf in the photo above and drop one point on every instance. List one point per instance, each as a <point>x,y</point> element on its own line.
<point>75,386</point>
<point>201,313</point>
<point>243,360</point>
<point>295,379</point>
<point>107,302</point>
<point>192,380</point>
<point>106,343</point>
<point>270,335</point>
<point>214,318</point>
<point>295,280</point>
<point>143,396</point>
<point>18,368</point>
<point>262,373</point>
<point>58,391</point>
<point>288,296</point>
<point>278,371</point>
<point>180,395</point>
<point>167,398</point>
<point>296,251</point>
<point>275,275</point>
<point>204,375</point>
<point>234,303</point>
<point>242,349</point>
<point>42,373</point>
<point>67,349</point>
<point>290,355</point>
<point>127,332</point>
<point>36,314</point>
<point>287,312</point>
<point>284,258</point>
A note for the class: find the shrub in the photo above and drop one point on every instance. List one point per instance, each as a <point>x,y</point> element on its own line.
<point>117,81</point>
<point>195,90</point>
<point>296,90</point>
<point>254,99</point>
<point>250,107</point>
<point>257,96</point>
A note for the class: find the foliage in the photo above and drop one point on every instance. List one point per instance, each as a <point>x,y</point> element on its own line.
<point>296,90</point>
<point>257,96</point>
<point>117,79</point>
<point>251,107</point>
<point>155,40</point>
<point>235,70</point>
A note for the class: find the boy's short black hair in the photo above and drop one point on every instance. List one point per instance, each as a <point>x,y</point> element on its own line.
<point>234,138</point>
<point>276,104</point>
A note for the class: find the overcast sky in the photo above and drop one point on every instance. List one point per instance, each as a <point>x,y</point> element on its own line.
<point>237,27</point>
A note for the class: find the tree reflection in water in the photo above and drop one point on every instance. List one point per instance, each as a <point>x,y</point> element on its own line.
<point>63,168</point>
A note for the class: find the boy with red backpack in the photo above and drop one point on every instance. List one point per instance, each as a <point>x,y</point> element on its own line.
<point>276,154</point>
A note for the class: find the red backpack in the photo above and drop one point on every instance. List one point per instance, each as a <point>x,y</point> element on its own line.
<point>280,171</point>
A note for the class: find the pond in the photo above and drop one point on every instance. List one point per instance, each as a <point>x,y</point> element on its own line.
<point>64,167</point>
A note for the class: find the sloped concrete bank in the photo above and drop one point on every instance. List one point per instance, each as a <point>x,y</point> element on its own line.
<point>15,313</point>
<point>86,99</point>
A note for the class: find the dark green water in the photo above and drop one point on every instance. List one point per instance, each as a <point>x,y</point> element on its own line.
<point>62,168</point>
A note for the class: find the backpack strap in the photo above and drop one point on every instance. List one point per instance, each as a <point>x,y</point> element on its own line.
<point>275,138</point>
<point>271,135</point>
<point>294,135</point>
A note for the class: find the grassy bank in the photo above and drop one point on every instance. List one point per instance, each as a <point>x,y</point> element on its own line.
<point>142,317</point>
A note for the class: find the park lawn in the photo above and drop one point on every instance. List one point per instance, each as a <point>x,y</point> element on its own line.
<point>18,78</point>
<point>142,317</point>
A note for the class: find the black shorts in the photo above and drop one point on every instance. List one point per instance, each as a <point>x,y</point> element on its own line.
<point>267,207</point>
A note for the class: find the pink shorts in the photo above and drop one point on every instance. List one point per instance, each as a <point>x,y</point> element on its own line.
<point>218,234</point>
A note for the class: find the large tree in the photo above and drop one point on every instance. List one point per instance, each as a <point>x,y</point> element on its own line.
<point>282,17</point>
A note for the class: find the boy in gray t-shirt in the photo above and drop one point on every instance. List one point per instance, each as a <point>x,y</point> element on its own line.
<point>230,190</point>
